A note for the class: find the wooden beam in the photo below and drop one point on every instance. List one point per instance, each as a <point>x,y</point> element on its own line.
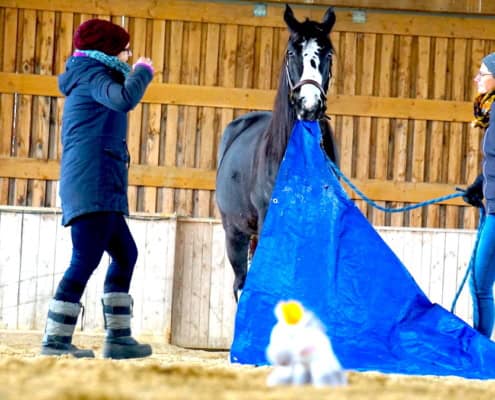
<point>183,10</point>
<point>139,175</point>
<point>151,9</point>
<point>482,7</point>
<point>403,108</point>
<point>255,99</point>
<point>406,192</point>
<point>195,178</point>
<point>209,96</point>
<point>38,85</point>
<point>172,177</point>
<point>242,14</point>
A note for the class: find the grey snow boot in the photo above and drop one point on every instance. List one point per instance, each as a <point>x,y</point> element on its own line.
<point>117,313</point>
<point>60,325</point>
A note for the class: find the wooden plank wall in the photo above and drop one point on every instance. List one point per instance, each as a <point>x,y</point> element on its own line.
<point>410,150</point>
<point>204,306</point>
<point>400,102</point>
<point>182,286</point>
<point>36,251</point>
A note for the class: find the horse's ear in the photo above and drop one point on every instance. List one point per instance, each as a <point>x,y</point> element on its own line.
<point>290,20</point>
<point>328,20</point>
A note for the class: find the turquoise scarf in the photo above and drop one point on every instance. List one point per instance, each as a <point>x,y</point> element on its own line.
<point>110,61</point>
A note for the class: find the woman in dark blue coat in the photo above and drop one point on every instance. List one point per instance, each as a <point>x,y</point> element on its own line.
<point>100,89</point>
<point>483,272</point>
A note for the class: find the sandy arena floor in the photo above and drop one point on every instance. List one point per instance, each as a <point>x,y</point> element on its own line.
<point>176,373</point>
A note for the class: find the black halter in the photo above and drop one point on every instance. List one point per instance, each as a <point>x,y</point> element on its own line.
<point>293,87</point>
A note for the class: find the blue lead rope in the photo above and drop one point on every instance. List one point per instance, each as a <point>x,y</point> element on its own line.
<point>339,173</point>
<point>459,193</point>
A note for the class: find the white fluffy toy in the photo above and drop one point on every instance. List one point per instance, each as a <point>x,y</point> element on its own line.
<point>300,350</point>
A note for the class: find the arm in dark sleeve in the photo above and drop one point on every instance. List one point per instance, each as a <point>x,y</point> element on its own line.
<point>478,182</point>
<point>474,192</point>
<point>121,97</point>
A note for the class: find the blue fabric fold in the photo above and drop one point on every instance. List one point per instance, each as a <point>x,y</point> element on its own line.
<point>318,248</point>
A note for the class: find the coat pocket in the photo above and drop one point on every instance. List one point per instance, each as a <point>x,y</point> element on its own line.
<point>116,166</point>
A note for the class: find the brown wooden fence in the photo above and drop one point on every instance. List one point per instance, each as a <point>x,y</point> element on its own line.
<point>400,103</point>
<point>182,283</point>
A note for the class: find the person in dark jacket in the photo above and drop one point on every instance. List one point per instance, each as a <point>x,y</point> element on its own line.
<point>100,89</point>
<point>483,272</point>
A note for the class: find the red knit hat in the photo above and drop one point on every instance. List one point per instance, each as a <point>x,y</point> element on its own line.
<point>102,35</point>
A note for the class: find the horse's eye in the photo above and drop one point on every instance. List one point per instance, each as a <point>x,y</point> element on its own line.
<point>290,53</point>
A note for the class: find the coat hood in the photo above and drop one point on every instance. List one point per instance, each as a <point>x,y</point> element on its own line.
<point>77,70</point>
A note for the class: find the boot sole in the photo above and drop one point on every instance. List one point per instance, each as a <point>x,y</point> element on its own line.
<point>122,352</point>
<point>49,351</point>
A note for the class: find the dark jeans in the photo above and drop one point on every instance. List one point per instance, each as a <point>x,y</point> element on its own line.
<point>482,279</point>
<point>92,235</point>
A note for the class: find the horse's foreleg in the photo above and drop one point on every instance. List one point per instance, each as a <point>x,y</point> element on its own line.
<point>237,244</point>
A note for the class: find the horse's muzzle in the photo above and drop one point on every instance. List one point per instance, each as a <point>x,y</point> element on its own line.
<point>310,110</point>
<point>309,100</point>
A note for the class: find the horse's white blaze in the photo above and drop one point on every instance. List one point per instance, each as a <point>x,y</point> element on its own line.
<point>311,62</point>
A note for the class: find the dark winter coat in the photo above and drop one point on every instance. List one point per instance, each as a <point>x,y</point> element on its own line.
<point>489,163</point>
<point>95,159</point>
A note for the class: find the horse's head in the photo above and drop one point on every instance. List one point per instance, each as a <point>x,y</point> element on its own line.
<point>308,63</point>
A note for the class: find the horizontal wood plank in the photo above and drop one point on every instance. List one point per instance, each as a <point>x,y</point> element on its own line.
<point>407,192</point>
<point>256,99</point>
<point>437,6</point>
<point>139,175</point>
<point>195,178</point>
<point>242,14</point>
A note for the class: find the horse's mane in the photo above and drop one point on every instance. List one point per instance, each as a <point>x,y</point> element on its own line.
<point>276,135</point>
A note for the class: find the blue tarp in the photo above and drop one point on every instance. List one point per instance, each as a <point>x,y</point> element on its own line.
<point>318,248</point>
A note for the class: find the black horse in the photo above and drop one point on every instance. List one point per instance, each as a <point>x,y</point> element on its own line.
<point>253,145</point>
